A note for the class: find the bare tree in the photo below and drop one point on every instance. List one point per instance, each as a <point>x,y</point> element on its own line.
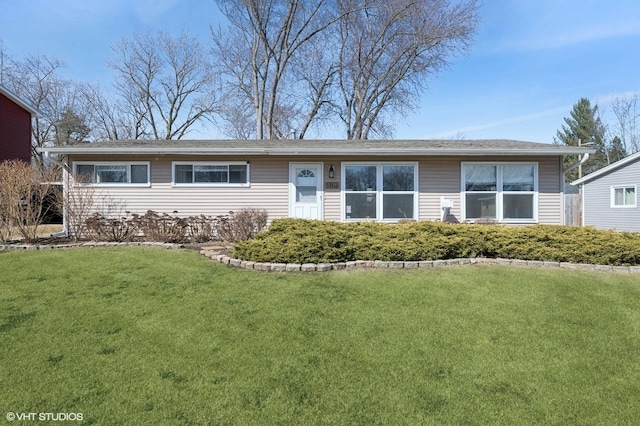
<point>24,191</point>
<point>111,118</point>
<point>77,201</point>
<point>166,83</point>
<point>388,49</point>
<point>354,62</point>
<point>37,80</point>
<point>3,53</point>
<point>315,68</point>
<point>627,127</point>
<point>256,53</point>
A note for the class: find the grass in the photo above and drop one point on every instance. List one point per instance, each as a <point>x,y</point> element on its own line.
<point>147,336</point>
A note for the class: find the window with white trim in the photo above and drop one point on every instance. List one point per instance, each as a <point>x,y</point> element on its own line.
<point>505,192</point>
<point>113,173</point>
<point>380,191</point>
<point>623,196</point>
<point>211,173</point>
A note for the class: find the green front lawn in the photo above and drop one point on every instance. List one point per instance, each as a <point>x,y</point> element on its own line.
<point>151,336</point>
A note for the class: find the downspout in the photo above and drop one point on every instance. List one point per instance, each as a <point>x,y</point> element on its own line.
<point>583,160</point>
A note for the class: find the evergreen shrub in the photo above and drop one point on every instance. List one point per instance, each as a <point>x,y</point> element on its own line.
<point>302,241</point>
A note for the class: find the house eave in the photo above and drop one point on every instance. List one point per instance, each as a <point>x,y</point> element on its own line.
<point>606,169</point>
<point>22,104</point>
<point>308,151</point>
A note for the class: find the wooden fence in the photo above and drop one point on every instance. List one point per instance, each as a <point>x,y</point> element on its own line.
<point>573,209</point>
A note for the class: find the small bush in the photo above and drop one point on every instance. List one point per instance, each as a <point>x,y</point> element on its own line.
<point>171,228</point>
<point>201,229</point>
<point>5,227</point>
<point>161,227</point>
<point>77,202</point>
<point>300,241</point>
<point>242,225</point>
<point>26,192</point>
<point>101,228</point>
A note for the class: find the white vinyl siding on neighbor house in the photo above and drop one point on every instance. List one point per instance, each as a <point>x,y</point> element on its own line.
<point>500,191</point>
<point>386,191</point>
<point>109,173</point>
<point>599,199</point>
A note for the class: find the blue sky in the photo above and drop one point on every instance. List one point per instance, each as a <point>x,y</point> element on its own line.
<point>530,62</point>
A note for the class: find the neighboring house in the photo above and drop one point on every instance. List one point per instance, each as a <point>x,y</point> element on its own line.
<point>343,180</point>
<point>15,127</point>
<point>610,196</point>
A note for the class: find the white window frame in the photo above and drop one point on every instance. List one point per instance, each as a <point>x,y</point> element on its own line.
<point>210,163</point>
<point>128,164</point>
<point>379,190</point>
<point>499,192</point>
<point>624,206</point>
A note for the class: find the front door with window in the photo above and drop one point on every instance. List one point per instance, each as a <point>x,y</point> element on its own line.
<point>305,190</point>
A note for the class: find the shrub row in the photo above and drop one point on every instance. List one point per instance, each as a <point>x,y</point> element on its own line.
<point>166,228</point>
<point>302,241</point>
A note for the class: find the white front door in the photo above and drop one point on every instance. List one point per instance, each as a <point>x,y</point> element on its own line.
<point>305,190</point>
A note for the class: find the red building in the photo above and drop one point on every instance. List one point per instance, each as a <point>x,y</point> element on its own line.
<point>15,127</point>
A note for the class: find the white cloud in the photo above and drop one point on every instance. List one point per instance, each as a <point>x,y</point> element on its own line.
<point>147,11</point>
<point>606,99</point>
<point>603,102</point>
<point>571,38</point>
<point>502,122</point>
<point>73,12</point>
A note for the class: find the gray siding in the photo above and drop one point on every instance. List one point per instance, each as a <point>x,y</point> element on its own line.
<point>269,189</point>
<point>441,177</point>
<point>597,210</point>
<point>550,196</point>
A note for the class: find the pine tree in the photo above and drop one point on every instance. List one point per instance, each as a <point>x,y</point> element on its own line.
<point>616,150</point>
<point>583,128</point>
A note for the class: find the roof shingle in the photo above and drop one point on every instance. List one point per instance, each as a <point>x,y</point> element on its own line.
<point>319,147</point>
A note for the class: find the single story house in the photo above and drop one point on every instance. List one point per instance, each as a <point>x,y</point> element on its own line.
<point>343,180</point>
<point>610,196</point>
<point>15,127</point>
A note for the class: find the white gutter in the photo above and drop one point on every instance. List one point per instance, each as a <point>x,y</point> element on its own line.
<point>304,151</point>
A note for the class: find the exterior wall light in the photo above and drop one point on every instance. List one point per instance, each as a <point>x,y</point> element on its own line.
<point>332,172</point>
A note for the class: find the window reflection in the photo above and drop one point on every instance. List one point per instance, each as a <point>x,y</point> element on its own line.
<point>360,178</point>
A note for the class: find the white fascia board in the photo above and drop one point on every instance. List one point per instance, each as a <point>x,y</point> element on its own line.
<point>607,169</point>
<point>303,151</point>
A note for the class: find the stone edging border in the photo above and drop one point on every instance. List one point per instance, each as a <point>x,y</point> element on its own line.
<point>326,267</point>
<point>359,264</point>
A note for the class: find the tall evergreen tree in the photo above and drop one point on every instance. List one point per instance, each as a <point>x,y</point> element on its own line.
<point>616,150</point>
<point>584,128</point>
